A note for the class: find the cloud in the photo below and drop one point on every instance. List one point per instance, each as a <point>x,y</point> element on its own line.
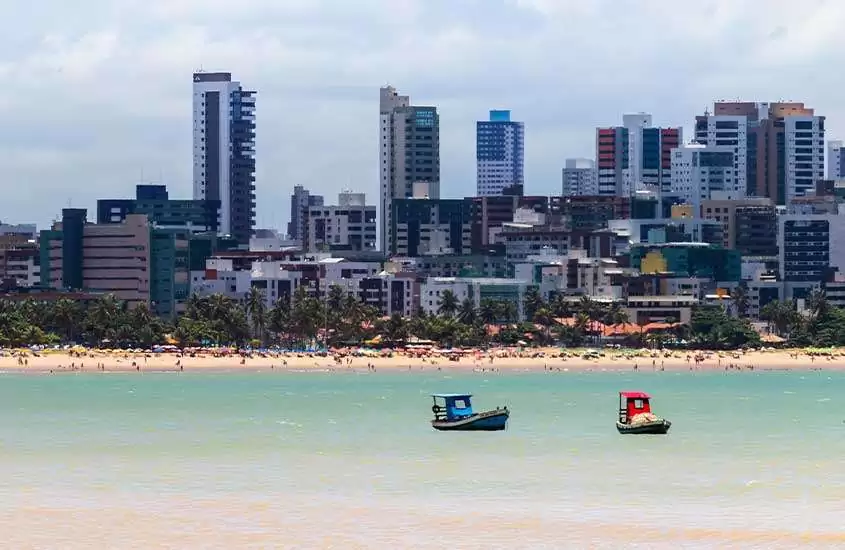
<point>97,95</point>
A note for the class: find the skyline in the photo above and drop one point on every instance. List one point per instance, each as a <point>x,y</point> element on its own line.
<point>98,99</point>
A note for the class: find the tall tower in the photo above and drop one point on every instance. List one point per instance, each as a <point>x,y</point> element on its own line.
<point>224,150</point>
<point>635,156</point>
<point>778,146</point>
<point>499,154</point>
<point>409,153</point>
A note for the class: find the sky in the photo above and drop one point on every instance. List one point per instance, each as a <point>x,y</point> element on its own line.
<point>96,95</point>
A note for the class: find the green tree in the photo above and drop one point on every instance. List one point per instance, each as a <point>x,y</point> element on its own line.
<point>448,303</point>
<point>256,311</point>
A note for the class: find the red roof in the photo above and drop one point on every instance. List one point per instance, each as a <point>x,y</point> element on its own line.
<point>634,395</point>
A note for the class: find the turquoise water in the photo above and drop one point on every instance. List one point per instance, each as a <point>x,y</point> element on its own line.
<point>347,460</point>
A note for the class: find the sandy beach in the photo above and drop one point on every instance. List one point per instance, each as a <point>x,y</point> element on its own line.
<point>500,359</point>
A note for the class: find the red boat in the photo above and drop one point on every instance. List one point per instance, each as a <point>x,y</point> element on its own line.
<point>635,416</point>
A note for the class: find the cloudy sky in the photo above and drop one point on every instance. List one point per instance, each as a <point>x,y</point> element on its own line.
<point>96,94</point>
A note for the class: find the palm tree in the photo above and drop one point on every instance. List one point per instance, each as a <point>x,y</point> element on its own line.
<point>278,318</point>
<point>532,301</point>
<point>781,316</point>
<point>817,303</point>
<point>448,303</point>
<point>488,311</point>
<point>256,310</point>
<point>66,315</point>
<point>508,311</point>
<point>739,296</point>
<point>560,306</point>
<point>396,328</point>
<point>466,313</point>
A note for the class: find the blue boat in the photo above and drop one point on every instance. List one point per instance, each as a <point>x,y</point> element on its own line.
<point>456,414</point>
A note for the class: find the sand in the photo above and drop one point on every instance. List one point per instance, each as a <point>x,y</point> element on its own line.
<point>500,359</point>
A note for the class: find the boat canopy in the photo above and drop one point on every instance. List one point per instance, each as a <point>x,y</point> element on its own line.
<point>634,395</point>
<point>458,405</point>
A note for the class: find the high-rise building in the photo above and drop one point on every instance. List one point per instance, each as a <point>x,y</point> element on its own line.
<point>704,172</point>
<point>224,151</point>
<point>300,201</point>
<point>580,178</point>
<point>499,153</point>
<point>635,156</point>
<point>835,160</point>
<point>778,146</point>
<point>409,154</point>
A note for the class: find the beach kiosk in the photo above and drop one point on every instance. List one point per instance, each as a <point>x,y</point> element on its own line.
<point>635,416</point>
<point>453,412</point>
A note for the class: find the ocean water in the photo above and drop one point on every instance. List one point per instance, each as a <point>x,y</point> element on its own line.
<point>342,460</point>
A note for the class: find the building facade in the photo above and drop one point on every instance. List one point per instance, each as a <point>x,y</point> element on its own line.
<point>300,201</point>
<point>704,172</point>
<point>812,247</point>
<point>109,259</point>
<point>154,202</point>
<point>409,154</point>
<point>778,146</point>
<point>835,160</point>
<point>224,150</point>
<point>635,156</point>
<point>579,178</point>
<point>499,154</point>
<point>429,227</point>
<point>350,225</point>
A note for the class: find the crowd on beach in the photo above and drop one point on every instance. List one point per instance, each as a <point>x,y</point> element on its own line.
<point>79,358</point>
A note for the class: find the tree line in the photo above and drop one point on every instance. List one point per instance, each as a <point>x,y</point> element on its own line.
<point>340,319</point>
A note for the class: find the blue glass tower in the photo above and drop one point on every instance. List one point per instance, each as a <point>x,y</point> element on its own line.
<point>499,153</point>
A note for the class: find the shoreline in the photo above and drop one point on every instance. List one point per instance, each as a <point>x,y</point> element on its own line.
<point>495,361</point>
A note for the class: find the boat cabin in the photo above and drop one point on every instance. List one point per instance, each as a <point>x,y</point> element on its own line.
<point>632,403</point>
<point>455,406</point>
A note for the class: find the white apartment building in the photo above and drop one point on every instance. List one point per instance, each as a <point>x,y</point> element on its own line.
<point>804,140</point>
<point>224,150</point>
<point>350,225</point>
<point>729,131</point>
<point>705,172</point>
<point>409,153</point>
<point>580,177</point>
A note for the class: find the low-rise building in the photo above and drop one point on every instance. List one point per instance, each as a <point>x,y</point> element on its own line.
<point>163,212</point>
<point>105,258</point>
<point>475,289</point>
<point>348,226</point>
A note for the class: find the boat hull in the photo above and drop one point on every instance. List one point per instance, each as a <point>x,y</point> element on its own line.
<point>658,427</point>
<point>490,421</point>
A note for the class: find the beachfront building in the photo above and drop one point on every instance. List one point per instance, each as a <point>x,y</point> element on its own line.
<point>224,150</point>
<point>348,226</point>
<point>20,267</point>
<point>422,226</point>
<point>409,155</point>
<point>106,258</point>
<point>476,289</point>
<point>499,153</point>
<point>163,212</point>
